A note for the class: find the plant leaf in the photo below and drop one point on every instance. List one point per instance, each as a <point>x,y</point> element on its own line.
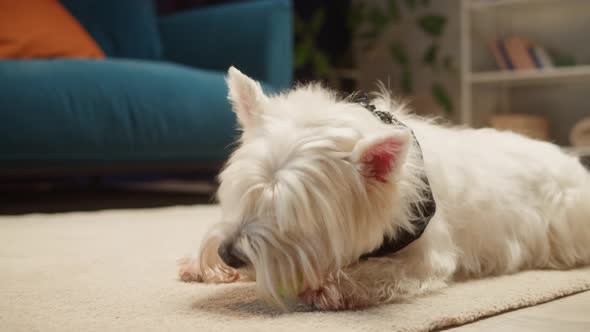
<point>355,17</point>
<point>300,57</point>
<point>411,4</point>
<point>299,26</point>
<point>377,19</point>
<point>321,64</point>
<point>303,51</point>
<point>398,53</point>
<point>317,20</point>
<point>432,25</point>
<point>429,57</point>
<point>448,63</point>
<point>562,60</point>
<point>394,12</point>
<point>441,96</point>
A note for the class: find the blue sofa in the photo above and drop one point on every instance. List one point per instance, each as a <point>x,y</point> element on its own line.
<point>168,111</point>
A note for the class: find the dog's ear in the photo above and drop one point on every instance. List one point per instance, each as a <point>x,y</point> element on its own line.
<point>380,156</point>
<point>246,97</point>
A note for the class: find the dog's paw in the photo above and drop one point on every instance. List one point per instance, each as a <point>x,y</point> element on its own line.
<point>189,270</point>
<point>327,298</point>
<point>339,294</point>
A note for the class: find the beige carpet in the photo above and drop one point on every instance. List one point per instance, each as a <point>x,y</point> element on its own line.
<point>115,270</point>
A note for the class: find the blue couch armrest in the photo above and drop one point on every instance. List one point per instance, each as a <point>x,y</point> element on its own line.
<point>254,36</point>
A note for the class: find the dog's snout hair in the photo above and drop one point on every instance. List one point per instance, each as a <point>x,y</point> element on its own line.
<point>230,255</point>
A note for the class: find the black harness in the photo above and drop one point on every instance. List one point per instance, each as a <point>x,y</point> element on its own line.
<point>423,210</point>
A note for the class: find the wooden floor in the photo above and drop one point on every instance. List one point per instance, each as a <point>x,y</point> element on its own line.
<point>570,314</point>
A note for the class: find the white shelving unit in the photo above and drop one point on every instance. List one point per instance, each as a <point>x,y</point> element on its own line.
<point>560,94</point>
<point>531,77</point>
<point>485,4</point>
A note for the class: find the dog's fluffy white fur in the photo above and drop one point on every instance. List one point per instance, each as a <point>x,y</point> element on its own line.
<point>317,181</point>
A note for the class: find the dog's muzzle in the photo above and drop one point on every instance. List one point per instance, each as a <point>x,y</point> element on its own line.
<point>229,255</point>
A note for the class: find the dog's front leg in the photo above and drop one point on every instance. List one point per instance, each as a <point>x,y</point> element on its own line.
<point>339,292</point>
<point>376,281</point>
<point>207,267</point>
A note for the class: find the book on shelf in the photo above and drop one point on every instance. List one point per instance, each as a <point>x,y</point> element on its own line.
<point>501,54</point>
<point>517,53</point>
<point>542,56</point>
<point>534,56</point>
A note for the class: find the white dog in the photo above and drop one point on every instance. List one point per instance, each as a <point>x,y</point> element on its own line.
<point>345,203</point>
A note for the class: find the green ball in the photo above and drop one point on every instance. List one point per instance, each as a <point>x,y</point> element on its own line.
<point>283,292</point>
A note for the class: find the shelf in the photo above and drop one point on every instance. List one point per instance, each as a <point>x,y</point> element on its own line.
<point>528,77</point>
<point>483,4</point>
<point>491,4</point>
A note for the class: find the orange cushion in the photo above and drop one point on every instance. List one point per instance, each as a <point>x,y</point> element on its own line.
<point>42,29</point>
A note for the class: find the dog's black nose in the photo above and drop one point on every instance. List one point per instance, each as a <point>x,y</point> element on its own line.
<point>229,256</point>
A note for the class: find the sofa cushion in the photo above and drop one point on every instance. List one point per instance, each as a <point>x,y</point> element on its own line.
<point>63,112</point>
<point>42,29</point>
<point>122,28</point>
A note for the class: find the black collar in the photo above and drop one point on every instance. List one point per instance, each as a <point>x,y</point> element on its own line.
<point>424,210</point>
